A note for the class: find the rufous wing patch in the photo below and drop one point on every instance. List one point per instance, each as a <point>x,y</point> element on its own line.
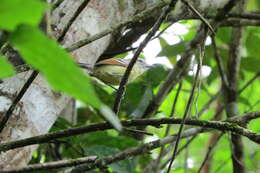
<point>112,61</point>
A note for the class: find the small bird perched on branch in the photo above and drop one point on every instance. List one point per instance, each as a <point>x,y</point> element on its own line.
<point>111,71</point>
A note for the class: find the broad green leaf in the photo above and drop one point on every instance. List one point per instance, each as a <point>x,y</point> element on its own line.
<point>16,12</point>
<point>55,63</point>
<point>133,96</point>
<point>6,69</point>
<point>251,64</point>
<point>143,104</point>
<point>155,75</point>
<point>163,42</point>
<point>110,116</point>
<point>173,50</point>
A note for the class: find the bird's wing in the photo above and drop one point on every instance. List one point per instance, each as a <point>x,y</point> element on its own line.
<point>112,61</point>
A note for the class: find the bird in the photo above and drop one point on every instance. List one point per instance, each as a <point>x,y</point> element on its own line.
<point>111,71</point>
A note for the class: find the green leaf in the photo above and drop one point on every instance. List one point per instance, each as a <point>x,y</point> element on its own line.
<point>250,64</point>
<point>133,96</point>
<point>155,75</point>
<point>16,12</point>
<point>144,102</point>
<point>103,138</point>
<point>55,63</point>
<point>224,34</point>
<point>163,42</point>
<point>173,50</point>
<point>110,116</point>
<point>6,69</point>
<point>125,166</point>
<point>252,42</point>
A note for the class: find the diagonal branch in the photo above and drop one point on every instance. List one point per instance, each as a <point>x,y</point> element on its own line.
<point>21,93</point>
<point>82,6</point>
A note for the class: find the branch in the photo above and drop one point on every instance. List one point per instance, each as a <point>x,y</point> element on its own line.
<point>240,23</point>
<point>249,82</point>
<point>231,93</point>
<point>53,165</point>
<point>219,63</point>
<point>166,133</point>
<point>100,163</point>
<point>227,125</point>
<point>179,151</point>
<point>82,6</point>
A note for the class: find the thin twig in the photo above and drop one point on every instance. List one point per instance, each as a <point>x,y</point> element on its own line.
<point>124,80</point>
<point>210,148</point>
<point>82,6</point>
<point>162,31</point>
<point>249,82</point>
<point>224,163</point>
<point>203,19</point>
<point>187,110</point>
<point>199,65</point>
<point>21,93</point>
<point>178,152</point>
<point>53,165</point>
<point>166,133</point>
<point>219,63</point>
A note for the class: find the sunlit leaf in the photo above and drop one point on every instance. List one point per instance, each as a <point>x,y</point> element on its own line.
<point>173,50</point>
<point>55,63</point>
<point>16,12</point>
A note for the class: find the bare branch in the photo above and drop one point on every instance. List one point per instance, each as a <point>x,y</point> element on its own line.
<point>228,125</point>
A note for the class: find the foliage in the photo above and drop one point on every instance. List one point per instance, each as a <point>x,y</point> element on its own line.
<point>45,55</point>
